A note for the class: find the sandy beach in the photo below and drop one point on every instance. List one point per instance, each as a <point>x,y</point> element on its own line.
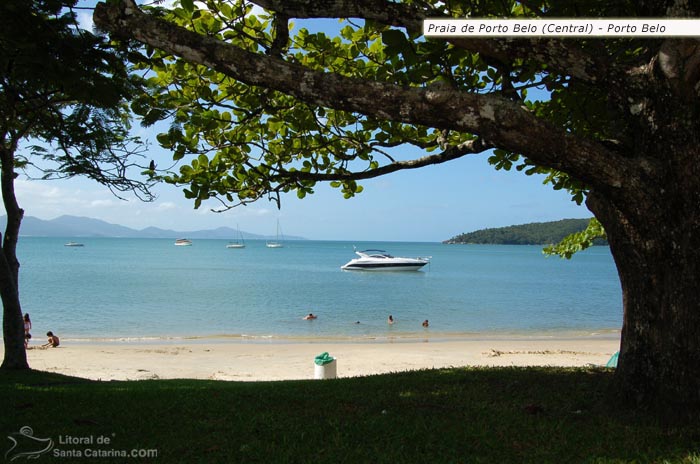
<point>287,360</point>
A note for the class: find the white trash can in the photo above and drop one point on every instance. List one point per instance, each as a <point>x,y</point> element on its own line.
<point>326,371</point>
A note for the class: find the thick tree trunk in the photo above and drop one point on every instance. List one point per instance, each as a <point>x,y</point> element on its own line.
<point>653,225</point>
<point>658,261</point>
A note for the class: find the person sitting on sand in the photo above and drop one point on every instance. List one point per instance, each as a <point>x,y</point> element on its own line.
<point>52,342</point>
<point>425,323</point>
<point>310,316</point>
<point>390,320</point>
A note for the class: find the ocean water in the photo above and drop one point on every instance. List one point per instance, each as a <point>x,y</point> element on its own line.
<point>148,288</point>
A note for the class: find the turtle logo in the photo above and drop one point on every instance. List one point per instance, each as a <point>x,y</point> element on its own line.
<point>26,445</point>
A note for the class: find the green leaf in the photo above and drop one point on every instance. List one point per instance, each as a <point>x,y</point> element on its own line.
<point>164,139</point>
<point>188,5</point>
<point>203,161</point>
<point>393,38</point>
<point>578,241</point>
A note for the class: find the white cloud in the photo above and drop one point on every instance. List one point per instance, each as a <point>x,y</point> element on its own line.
<point>85,20</point>
<point>101,203</point>
<point>166,206</point>
<point>259,212</point>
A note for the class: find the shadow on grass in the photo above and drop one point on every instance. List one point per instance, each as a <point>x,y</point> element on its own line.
<point>448,415</point>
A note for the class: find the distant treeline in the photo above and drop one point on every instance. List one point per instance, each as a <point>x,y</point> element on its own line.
<point>538,233</point>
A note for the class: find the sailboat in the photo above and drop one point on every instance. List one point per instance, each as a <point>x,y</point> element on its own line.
<point>239,242</point>
<point>275,243</point>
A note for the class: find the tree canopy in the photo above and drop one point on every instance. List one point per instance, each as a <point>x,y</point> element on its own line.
<point>261,138</point>
<point>65,87</point>
<point>259,107</point>
<point>64,93</point>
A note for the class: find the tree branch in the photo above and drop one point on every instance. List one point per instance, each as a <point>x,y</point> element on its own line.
<point>561,56</point>
<point>499,121</point>
<point>451,153</point>
<point>385,12</point>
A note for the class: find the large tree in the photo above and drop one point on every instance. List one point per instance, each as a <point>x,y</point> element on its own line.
<point>62,94</point>
<point>267,108</point>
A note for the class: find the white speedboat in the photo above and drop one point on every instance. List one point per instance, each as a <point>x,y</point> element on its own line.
<point>183,242</point>
<point>73,244</point>
<point>379,260</point>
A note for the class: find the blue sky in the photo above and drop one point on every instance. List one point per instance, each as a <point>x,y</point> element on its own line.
<point>428,204</point>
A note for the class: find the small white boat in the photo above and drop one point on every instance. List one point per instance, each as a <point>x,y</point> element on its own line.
<point>277,243</point>
<point>380,260</point>
<point>239,242</point>
<point>183,242</point>
<point>73,244</point>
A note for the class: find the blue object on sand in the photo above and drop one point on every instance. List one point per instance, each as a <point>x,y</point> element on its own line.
<point>613,360</point>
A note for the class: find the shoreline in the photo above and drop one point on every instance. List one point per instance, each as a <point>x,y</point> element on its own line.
<point>265,360</point>
<point>388,337</point>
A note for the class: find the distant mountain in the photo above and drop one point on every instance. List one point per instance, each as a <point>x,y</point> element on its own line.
<point>74,226</point>
<point>537,233</point>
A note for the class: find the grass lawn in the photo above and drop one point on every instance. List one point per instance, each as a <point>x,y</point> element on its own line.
<point>502,415</point>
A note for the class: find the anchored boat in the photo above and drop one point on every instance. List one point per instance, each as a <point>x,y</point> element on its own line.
<point>380,260</point>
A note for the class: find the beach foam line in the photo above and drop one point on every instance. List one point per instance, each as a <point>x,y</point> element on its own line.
<point>367,338</point>
<point>399,337</point>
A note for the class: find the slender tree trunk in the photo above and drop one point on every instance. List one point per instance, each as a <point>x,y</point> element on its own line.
<point>13,325</point>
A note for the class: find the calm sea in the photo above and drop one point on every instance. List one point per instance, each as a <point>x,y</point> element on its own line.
<point>143,288</point>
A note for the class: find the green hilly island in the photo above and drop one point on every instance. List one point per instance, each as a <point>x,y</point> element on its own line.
<point>536,233</point>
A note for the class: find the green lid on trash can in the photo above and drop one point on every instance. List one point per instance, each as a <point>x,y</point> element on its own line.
<point>323,359</point>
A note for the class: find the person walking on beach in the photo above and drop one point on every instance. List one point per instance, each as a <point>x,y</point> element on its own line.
<point>425,323</point>
<point>27,329</point>
<point>52,342</point>
<point>390,320</point>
